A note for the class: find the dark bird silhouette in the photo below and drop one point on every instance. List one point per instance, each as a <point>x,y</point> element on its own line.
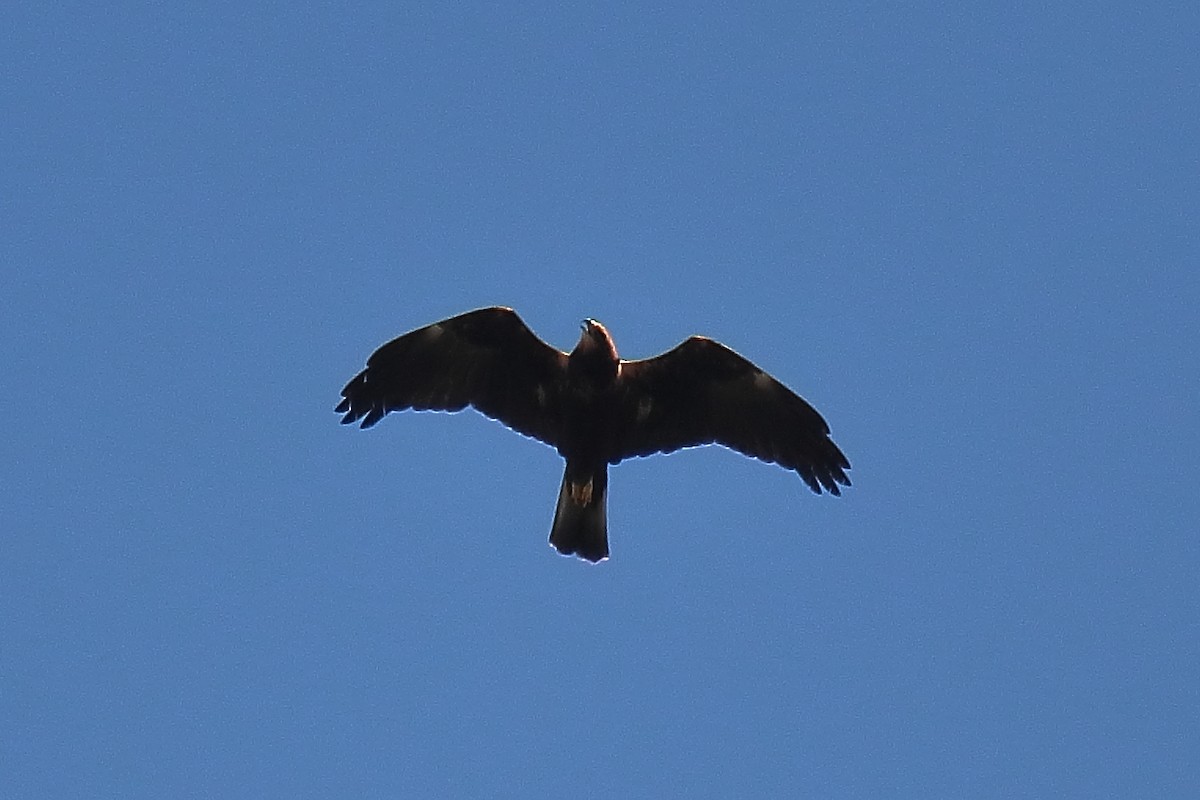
<point>593,407</point>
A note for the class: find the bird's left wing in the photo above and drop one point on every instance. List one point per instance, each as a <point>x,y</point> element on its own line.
<point>702,393</point>
<point>488,359</point>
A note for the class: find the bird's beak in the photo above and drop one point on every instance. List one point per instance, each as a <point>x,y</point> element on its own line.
<point>586,326</point>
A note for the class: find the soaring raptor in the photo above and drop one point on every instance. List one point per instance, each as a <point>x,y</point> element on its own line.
<point>593,407</point>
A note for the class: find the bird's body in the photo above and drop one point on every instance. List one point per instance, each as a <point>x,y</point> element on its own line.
<point>591,395</point>
<point>594,408</point>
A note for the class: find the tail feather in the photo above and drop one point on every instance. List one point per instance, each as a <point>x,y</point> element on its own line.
<point>580,521</point>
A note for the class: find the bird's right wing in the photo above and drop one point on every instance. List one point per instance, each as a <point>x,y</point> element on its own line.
<point>488,359</point>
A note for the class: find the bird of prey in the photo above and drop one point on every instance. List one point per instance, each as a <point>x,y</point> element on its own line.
<point>593,407</point>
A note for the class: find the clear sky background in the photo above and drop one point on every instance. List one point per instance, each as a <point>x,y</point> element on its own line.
<point>968,234</point>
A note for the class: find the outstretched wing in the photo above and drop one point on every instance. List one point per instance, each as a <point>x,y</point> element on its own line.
<point>487,358</point>
<point>702,392</point>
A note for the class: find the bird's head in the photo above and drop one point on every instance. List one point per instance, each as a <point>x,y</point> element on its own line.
<point>595,340</point>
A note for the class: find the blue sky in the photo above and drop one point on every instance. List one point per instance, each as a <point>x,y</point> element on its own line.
<point>967,235</point>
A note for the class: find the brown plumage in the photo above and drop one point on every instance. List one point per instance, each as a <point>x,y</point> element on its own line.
<point>594,408</point>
